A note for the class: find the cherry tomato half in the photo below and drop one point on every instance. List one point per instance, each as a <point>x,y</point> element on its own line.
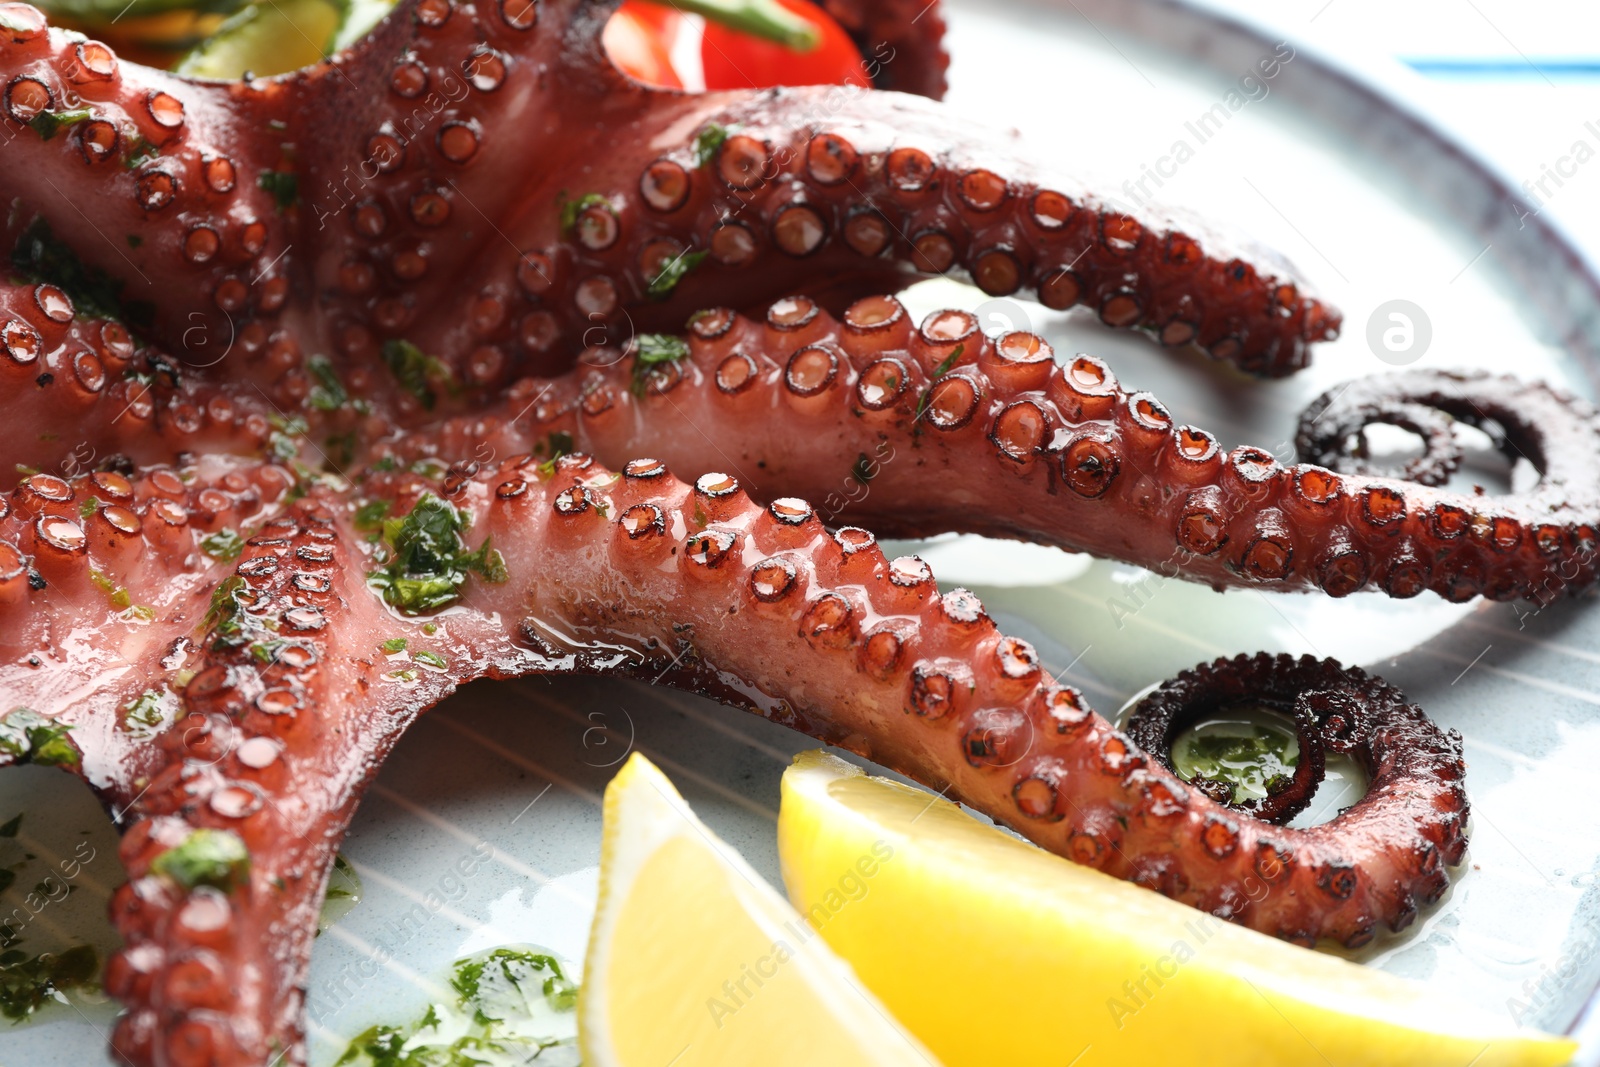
<point>639,37</point>
<point>735,60</point>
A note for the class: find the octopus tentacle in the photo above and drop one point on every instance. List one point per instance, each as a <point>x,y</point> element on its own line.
<point>1524,420</point>
<point>235,834</point>
<point>860,413</point>
<point>121,556</point>
<point>79,391</point>
<point>1332,707</point>
<point>413,209</point>
<point>179,195</point>
<point>768,608</point>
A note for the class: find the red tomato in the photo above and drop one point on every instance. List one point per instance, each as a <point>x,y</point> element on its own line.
<point>638,38</point>
<point>735,60</point>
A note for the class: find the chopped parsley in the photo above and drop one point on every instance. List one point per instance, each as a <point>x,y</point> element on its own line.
<point>417,372</point>
<point>571,209</point>
<point>431,659</point>
<point>655,349</point>
<point>427,562</point>
<point>140,151</point>
<point>29,983</point>
<point>144,716</point>
<point>370,516</point>
<point>284,187</point>
<point>223,546</point>
<point>226,617</point>
<point>344,893</point>
<point>511,1006</point>
<point>285,430</point>
<point>28,737</point>
<point>393,645</point>
<point>938,372</point>
<point>41,257</point>
<point>329,392</point>
<point>48,123</point>
<point>1252,758</point>
<point>708,142</point>
<point>559,443</point>
<point>672,273</point>
<point>87,509</point>
<point>207,857</point>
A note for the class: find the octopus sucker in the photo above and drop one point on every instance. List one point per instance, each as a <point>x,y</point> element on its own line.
<point>291,364</point>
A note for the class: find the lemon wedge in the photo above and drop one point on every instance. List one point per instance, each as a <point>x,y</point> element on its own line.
<point>993,951</point>
<point>694,961</point>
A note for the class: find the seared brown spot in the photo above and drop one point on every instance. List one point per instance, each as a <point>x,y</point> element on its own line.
<point>710,548</point>
<point>982,190</point>
<point>664,185</point>
<point>932,692</point>
<point>830,159</point>
<point>1089,465</point>
<point>772,579</point>
<point>743,161</point>
<point>910,170</point>
<point>829,623</point>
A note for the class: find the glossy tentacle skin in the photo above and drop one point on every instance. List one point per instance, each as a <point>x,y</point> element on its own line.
<point>214,973</point>
<point>369,199</point>
<point>815,628</point>
<point>868,413</point>
<point>118,557</point>
<point>320,270</point>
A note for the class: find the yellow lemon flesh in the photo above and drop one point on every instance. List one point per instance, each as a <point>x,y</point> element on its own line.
<point>993,951</point>
<point>695,961</point>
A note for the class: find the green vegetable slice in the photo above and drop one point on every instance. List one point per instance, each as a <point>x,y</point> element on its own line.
<point>265,39</point>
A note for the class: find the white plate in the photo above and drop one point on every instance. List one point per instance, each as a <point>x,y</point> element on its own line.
<point>1374,207</point>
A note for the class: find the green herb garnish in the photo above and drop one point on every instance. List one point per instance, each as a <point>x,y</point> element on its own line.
<point>28,984</point>
<point>938,372</point>
<point>207,857</point>
<point>707,143</point>
<point>672,273</point>
<point>223,546</point>
<point>571,209</point>
<point>428,563</point>
<point>417,372</point>
<point>284,186</point>
<point>41,257</point>
<point>329,392</point>
<point>654,350</point>
<point>1249,757</point>
<point>28,737</point>
<point>143,716</point>
<point>370,516</point>
<point>48,123</point>
<point>393,645</point>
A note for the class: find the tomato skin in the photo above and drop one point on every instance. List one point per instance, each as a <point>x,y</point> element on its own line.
<point>638,37</point>
<point>735,60</point>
